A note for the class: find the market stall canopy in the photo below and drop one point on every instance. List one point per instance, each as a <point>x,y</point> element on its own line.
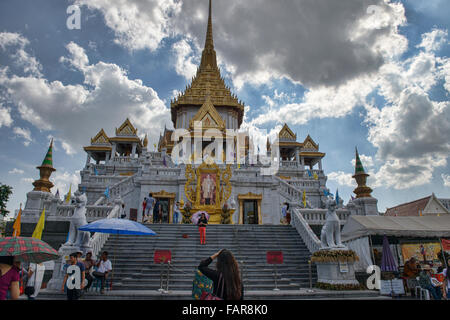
<point>421,227</point>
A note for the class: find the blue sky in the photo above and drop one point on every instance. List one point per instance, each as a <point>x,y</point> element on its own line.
<point>370,73</point>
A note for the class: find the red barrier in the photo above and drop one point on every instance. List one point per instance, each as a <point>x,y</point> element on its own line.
<point>162,256</point>
<point>275,257</point>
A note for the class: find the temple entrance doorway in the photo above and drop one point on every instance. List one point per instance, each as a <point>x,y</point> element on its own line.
<point>167,201</point>
<point>250,212</point>
<point>250,208</point>
<point>165,209</point>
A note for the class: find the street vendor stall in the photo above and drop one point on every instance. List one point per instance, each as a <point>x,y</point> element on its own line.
<point>422,237</point>
<point>416,236</point>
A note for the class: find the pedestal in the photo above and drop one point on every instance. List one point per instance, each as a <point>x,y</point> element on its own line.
<point>335,269</point>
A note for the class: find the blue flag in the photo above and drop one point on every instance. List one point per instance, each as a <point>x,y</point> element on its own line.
<point>107,192</point>
<point>83,190</point>
<point>309,172</point>
<point>95,171</point>
<point>326,193</point>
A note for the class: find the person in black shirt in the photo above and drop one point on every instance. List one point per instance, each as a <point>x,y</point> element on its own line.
<point>227,266</point>
<point>202,222</point>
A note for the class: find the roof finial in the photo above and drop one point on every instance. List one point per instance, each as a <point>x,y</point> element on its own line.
<point>209,54</point>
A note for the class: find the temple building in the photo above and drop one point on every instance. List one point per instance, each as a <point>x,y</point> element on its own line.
<point>120,166</point>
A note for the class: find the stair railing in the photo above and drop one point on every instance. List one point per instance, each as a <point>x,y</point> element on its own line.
<point>98,240</point>
<point>304,230</point>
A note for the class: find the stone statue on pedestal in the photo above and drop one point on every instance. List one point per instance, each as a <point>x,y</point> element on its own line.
<point>330,236</point>
<point>78,238</point>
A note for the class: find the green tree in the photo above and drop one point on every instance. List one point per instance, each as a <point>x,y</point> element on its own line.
<point>5,192</point>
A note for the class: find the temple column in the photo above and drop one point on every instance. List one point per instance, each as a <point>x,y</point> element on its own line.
<point>320,164</point>
<point>88,158</point>
<point>113,151</point>
<point>303,163</point>
<point>297,156</point>
<point>133,151</point>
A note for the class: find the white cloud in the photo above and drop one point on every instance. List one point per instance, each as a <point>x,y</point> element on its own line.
<point>446,179</point>
<point>16,171</point>
<point>27,180</point>
<point>5,117</point>
<point>63,181</point>
<point>105,100</point>
<point>137,24</point>
<point>25,134</point>
<point>185,65</point>
<point>21,58</point>
<point>434,40</point>
<point>342,178</point>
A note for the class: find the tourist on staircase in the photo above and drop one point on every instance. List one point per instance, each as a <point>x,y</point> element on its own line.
<point>176,213</point>
<point>148,207</point>
<point>157,212</point>
<point>226,279</point>
<point>88,264</point>
<point>104,267</point>
<point>75,293</point>
<point>202,222</point>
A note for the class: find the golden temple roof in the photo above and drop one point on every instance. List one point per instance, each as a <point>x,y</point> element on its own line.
<point>208,80</point>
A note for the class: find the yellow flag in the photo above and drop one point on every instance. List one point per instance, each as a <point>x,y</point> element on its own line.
<point>304,198</point>
<point>40,226</point>
<point>315,176</point>
<point>69,194</point>
<point>16,226</point>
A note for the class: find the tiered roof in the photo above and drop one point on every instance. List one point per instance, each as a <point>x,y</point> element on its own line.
<point>208,81</point>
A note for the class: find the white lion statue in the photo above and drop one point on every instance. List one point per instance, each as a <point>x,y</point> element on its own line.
<point>76,237</point>
<point>330,236</point>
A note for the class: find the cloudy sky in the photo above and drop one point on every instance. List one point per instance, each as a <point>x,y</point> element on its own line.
<point>368,73</point>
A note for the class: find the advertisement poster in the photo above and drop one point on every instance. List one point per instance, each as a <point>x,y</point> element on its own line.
<point>421,251</point>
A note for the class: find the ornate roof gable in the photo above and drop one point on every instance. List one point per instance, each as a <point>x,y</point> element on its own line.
<point>287,134</point>
<point>209,116</point>
<point>100,138</point>
<point>309,144</point>
<point>126,129</point>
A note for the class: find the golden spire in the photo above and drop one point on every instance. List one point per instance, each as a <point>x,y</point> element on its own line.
<point>209,54</point>
<point>362,191</point>
<point>45,171</point>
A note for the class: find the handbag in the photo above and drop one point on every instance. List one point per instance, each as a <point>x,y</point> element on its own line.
<point>209,296</point>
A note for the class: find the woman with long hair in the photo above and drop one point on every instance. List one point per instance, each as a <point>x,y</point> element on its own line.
<point>226,278</point>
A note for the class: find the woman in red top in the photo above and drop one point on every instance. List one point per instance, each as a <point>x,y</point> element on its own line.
<point>9,278</point>
<point>202,222</point>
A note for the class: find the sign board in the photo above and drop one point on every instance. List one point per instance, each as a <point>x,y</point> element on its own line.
<point>133,214</point>
<point>274,257</point>
<point>388,286</point>
<point>162,256</point>
<point>343,267</point>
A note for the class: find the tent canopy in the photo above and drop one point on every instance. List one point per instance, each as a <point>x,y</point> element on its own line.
<point>421,227</point>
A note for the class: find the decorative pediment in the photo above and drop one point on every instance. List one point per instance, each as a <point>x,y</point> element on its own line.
<point>208,116</point>
<point>286,133</point>
<point>309,144</point>
<point>126,129</point>
<point>100,138</point>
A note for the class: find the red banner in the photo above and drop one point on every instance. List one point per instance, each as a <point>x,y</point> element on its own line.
<point>446,244</point>
<point>274,257</point>
<point>162,256</point>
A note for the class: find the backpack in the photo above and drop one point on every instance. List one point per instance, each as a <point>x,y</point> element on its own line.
<point>201,284</point>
